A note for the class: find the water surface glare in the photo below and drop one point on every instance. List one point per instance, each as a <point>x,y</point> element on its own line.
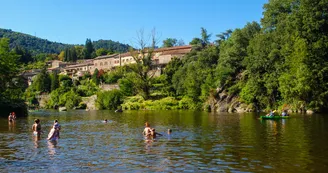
<point>200,142</point>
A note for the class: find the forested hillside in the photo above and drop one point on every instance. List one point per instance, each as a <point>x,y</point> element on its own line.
<point>33,44</point>
<point>112,46</point>
<point>37,45</point>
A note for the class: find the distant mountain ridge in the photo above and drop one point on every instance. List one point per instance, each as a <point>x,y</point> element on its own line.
<point>38,45</point>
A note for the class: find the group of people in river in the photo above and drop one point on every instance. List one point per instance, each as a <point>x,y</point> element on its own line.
<point>150,132</point>
<point>54,131</point>
<point>12,117</point>
<point>272,113</point>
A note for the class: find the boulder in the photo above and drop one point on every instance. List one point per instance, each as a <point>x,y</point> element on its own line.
<point>309,111</point>
<point>62,109</point>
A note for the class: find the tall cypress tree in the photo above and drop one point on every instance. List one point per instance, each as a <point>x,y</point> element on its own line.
<point>54,81</point>
<point>88,49</point>
<point>95,77</point>
<point>73,54</point>
<point>67,55</point>
<point>43,82</point>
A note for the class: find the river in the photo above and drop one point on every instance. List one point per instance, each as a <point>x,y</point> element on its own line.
<point>200,142</point>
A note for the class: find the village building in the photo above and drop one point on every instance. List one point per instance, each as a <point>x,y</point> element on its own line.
<point>29,74</point>
<point>79,69</point>
<point>161,58</point>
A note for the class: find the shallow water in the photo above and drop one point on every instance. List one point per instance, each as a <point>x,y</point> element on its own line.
<point>200,142</point>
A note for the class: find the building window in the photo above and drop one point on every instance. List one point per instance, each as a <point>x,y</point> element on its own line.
<point>95,64</point>
<point>106,63</point>
<point>101,64</point>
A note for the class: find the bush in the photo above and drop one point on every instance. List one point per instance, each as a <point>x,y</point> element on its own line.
<point>113,76</point>
<point>133,103</point>
<point>167,103</point>
<point>188,103</point>
<point>68,99</point>
<point>109,99</point>
<point>87,88</point>
<point>126,87</point>
<point>137,102</point>
<point>71,99</point>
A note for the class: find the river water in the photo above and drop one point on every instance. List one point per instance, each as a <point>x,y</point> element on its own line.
<point>200,142</point>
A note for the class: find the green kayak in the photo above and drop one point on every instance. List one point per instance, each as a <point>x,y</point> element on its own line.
<point>274,117</point>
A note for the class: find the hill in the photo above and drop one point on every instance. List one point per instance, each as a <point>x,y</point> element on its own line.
<point>38,45</point>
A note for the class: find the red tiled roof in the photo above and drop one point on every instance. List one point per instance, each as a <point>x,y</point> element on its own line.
<point>173,48</point>
<point>79,65</point>
<point>106,56</point>
<point>167,50</point>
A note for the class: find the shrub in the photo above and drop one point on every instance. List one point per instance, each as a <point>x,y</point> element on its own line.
<point>133,103</point>
<point>188,103</point>
<point>109,99</point>
<point>126,86</point>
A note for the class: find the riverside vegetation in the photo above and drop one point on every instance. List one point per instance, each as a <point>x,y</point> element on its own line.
<point>280,63</point>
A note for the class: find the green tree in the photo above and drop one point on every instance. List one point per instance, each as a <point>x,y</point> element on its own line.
<point>200,43</point>
<point>88,49</point>
<point>79,52</point>
<point>143,65</point>
<point>54,81</point>
<point>170,42</point>
<point>126,86</point>
<point>25,55</point>
<point>101,52</point>
<point>95,77</point>
<point>73,54</point>
<point>43,81</point>
<point>109,99</point>
<point>11,86</point>
<point>61,56</point>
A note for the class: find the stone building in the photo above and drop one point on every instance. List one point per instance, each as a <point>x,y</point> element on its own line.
<point>80,69</point>
<point>161,57</point>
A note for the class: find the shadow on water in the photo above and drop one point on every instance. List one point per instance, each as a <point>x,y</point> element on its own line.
<point>200,142</point>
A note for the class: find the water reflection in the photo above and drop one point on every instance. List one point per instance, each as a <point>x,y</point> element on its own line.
<point>36,138</point>
<point>11,126</point>
<point>52,144</point>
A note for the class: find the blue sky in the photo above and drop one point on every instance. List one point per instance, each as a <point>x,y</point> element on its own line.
<point>72,21</point>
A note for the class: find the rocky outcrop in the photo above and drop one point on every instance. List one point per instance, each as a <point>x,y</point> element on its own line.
<point>90,102</point>
<point>224,102</point>
<point>62,109</point>
<point>43,99</point>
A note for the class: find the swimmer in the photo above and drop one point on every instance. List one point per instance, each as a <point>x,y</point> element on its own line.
<point>169,131</point>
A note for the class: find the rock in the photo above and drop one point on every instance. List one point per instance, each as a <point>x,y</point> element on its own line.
<point>118,110</point>
<point>62,109</point>
<point>309,111</point>
<point>90,102</point>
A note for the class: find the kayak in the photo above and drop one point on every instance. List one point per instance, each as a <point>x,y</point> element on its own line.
<point>274,117</point>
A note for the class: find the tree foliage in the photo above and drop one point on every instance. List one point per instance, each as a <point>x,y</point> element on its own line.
<point>170,42</point>
<point>12,86</point>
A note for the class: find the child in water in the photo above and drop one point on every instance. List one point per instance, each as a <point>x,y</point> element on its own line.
<point>154,134</point>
